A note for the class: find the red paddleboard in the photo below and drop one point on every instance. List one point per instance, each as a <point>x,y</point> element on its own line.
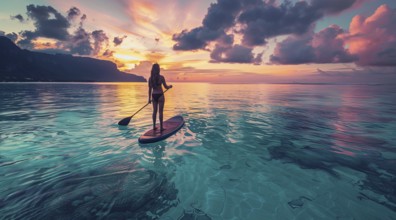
<point>171,126</point>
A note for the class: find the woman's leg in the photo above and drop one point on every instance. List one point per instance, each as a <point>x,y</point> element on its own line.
<point>161,103</point>
<point>155,109</point>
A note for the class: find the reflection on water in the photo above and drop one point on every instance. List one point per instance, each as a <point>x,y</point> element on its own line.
<point>246,152</point>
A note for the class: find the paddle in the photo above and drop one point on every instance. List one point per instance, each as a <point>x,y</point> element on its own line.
<point>125,121</point>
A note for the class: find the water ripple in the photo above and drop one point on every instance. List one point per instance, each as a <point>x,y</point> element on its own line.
<point>245,152</point>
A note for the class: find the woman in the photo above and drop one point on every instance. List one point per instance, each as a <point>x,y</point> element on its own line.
<point>156,95</point>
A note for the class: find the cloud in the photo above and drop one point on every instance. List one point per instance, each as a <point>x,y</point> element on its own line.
<point>330,47</point>
<point>51,24</point>
<point>72,13</point>
<point>80,43</point>
<point>327,46</point>
<point>360,71</point>
<point>12,36</point>
<point>234,54</point>
<point>255,21</point>
<point>155,57</point>
<point>18,17</point>
<point>366,75</point>
<point>197,38</point>
<point>266,21</point>
<point>118,40</point>
<point>100,40</point>
<point>83,18</point>
<point>228,52</point>
<point>108,53</point>
<point>27,38</point>
<point>294,50</point>
<point>270,20</point>
<point>221,15</point>
<point>373,38</point>
<point>48,22</point>
<point>142,69</point>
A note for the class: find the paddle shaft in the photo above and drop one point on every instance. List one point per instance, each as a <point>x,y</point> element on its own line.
<point>139,110</point>
<point>146,105</point>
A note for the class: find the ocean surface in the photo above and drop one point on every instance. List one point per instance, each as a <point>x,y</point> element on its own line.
<point>248,151</point>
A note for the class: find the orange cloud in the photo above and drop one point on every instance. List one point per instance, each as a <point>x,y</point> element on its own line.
<point>155,57</point>
<point>44,43</point>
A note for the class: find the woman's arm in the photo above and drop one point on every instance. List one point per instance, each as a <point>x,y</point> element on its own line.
<point>149,92</point>
<point>165,85</point>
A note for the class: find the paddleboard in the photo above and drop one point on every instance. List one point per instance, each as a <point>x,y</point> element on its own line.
<point>171,126</point>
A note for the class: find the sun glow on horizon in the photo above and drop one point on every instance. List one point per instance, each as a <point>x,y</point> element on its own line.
<point>127,57</point>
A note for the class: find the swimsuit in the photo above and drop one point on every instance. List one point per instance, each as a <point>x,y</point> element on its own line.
<point>157,96</point>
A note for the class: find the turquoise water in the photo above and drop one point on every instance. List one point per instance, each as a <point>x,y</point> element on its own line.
<point>245,152</point>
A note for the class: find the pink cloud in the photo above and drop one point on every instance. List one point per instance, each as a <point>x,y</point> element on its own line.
<point>142,69</point>
<point>370,41</point>
<point>373,38</point>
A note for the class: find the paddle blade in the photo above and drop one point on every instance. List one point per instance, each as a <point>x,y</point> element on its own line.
<point>125,121</point>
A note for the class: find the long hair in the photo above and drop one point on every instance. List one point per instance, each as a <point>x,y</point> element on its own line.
<point>155,75</point>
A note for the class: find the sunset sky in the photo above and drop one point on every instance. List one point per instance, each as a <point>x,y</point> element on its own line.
<point>248,41</point>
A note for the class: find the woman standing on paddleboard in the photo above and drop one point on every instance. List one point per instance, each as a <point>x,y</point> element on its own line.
<point>156,95</point>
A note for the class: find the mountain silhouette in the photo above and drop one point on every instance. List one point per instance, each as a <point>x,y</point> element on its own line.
<point>17,65</point>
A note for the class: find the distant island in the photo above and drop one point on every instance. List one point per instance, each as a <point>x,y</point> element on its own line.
<point>18,65</point>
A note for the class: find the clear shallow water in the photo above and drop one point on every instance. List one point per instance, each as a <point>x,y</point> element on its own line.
<point>245,152</point>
